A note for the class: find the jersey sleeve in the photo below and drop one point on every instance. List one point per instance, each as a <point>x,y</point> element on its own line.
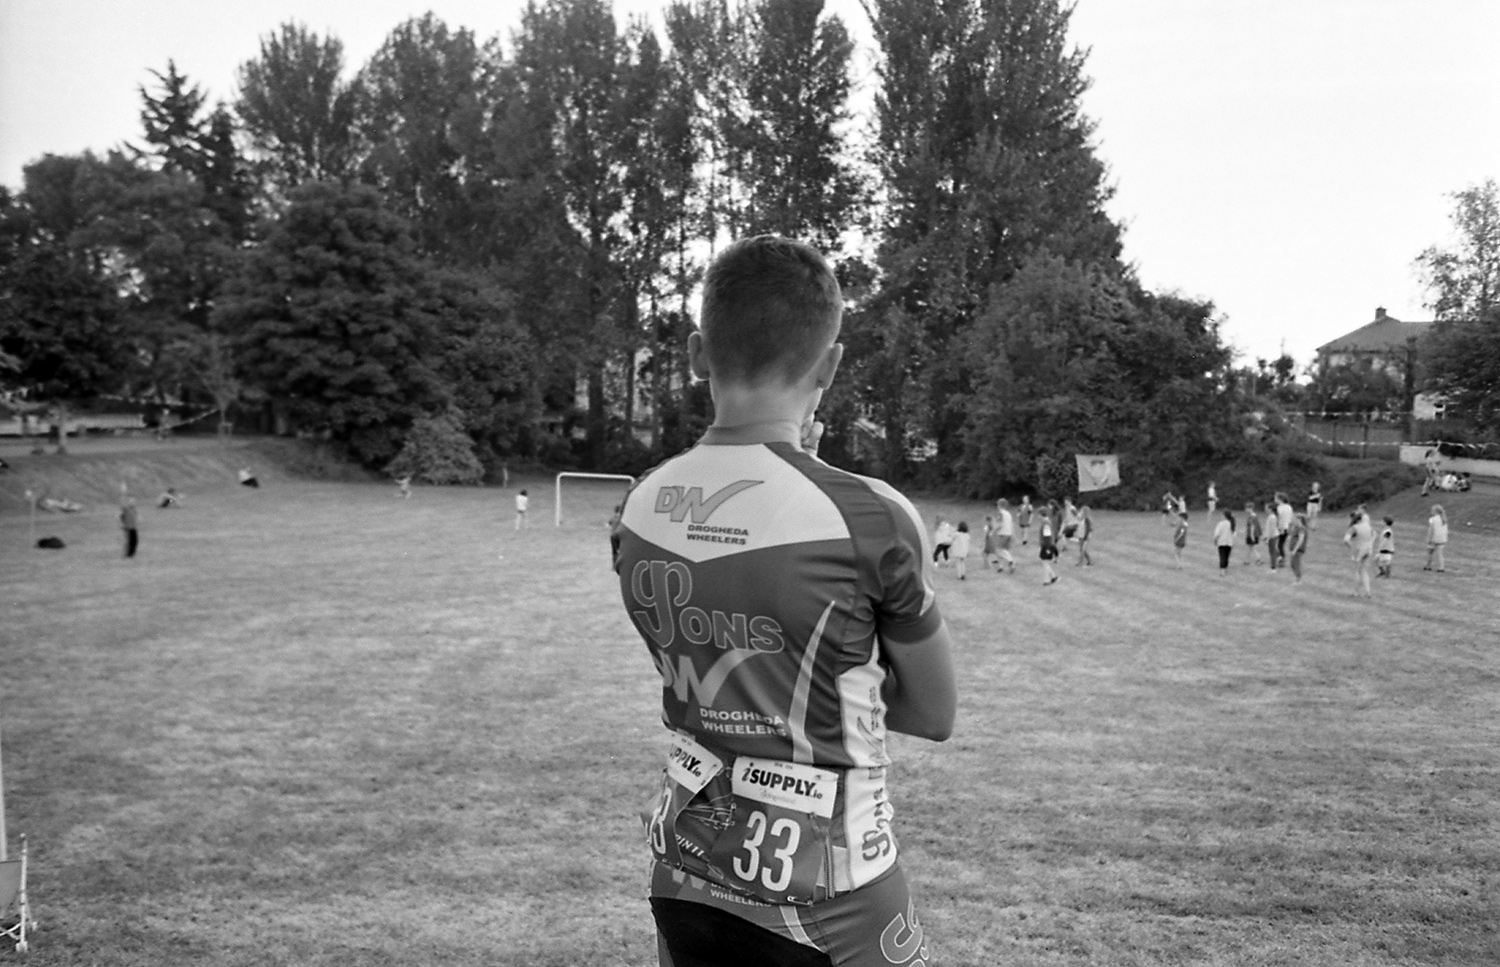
<point>907,610</point>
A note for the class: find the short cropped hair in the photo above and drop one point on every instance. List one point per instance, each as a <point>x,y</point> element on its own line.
<point>770,306</point>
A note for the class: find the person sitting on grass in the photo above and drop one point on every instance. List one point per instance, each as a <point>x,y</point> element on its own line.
<point>771,829</point>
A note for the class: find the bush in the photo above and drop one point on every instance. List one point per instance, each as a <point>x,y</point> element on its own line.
<point>438,451</point>
<point>309,459</point>
<point>1358,482</point>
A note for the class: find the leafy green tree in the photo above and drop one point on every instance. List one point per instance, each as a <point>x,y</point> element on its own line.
<point>1464,281</point>
<point>572,55</point>
<point>296,107</point>
<point>167,253</point>
<point>799,176</point>
<point>183,141</point>
<point>60,320</point>
<point>1461,355</point>
<point>1358,387</point>
<point>985,160</point>
<point>438,451</point>
<point>330,317</point>
<point>422,117</point>
<point>1462,360</point>
<point>489,361</point>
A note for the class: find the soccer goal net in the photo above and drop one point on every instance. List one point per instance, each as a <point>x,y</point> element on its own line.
<point>557,502</point>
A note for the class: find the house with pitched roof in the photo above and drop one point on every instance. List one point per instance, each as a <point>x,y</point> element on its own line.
<point>1389,344</point>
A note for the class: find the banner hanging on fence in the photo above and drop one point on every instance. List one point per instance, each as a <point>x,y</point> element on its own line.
<point>1098,472</point>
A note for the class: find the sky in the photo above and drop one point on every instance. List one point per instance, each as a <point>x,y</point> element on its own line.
<point>1287,160</point>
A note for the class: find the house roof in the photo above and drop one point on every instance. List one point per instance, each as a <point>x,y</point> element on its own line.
<point>1385,334</point>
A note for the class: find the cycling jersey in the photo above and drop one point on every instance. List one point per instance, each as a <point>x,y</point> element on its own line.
<point>766,586</point>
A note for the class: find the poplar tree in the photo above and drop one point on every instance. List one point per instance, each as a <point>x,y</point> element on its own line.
<point>297,108</point>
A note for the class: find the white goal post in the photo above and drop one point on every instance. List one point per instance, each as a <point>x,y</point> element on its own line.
<point>557,499</point>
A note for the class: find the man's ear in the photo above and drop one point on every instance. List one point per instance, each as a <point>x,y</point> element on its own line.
<point>697,355</point>
<point>828,366</point>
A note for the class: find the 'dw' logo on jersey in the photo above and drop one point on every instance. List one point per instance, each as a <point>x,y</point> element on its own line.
<point>679,502</point>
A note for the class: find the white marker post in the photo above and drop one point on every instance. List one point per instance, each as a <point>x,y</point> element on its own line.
<point>557,498</point>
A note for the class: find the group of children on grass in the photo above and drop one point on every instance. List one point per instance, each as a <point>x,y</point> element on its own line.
<point>1284,531</point>
<point>1056,526</point>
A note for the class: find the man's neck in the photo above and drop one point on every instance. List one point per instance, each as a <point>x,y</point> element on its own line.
<point>736,406</point>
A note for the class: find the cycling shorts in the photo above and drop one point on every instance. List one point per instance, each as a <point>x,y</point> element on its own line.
<point>700,924</point>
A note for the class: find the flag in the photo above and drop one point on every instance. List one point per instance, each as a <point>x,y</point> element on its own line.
<point>1098,472</point>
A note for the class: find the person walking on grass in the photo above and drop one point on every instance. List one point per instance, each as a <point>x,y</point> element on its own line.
<point>1005,529</point>
<point>1047,548</point>
<point>1296,545</point>
<point>523,504</point>
<point>1252,535</point>
<point>1437,538</point>
<point>1284,515</point>
<point>1069,520</point>
<point>942,541</point>
<point>988,552</point>
<point>771,833</point>
<point>1023,516</point>
<point>1083,533</point>
<point>1385,548</point>
<point>129,523</point>
<point>1360,538</point>
<point>1179,538</point>
<point>961,549</point>
<point>1224,540</point>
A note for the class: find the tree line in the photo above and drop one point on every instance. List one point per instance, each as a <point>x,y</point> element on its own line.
<point>503,238</point>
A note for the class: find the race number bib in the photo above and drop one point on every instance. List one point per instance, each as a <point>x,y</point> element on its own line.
<point>761,828</point>
<point>777,841</point>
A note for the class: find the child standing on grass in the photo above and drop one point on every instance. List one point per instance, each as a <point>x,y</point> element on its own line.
<point>1437,538</point>
<point>1385,548</point>
<point>1314,505</point>
<point>771,828</point>
<point>1179,538</point>
<point>1023,516</point>
<point>1273,534</point>
<point>1224,541</point>
<point>522,503</point>
<point>129,523</point>
<point>1252,535</point>
<point>961,549</point>
<point>1360,537</point>
<point>987,550</point>
<point>1084,532</point>
<point>1047,549</point>
<point>1213,498</point>
<point>1005,529</point>
<point>1296,545</point>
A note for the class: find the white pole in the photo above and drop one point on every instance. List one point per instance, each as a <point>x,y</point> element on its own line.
<point>2,806</point>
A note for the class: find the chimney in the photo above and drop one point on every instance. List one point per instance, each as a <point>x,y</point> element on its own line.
<point>1379,313</point>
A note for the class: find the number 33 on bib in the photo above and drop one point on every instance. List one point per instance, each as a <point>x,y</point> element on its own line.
<point>777,841</point>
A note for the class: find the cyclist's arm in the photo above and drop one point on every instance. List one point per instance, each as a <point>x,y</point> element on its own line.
<point>920,694</point>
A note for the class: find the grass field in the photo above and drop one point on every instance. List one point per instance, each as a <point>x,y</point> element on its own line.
<point>314,724</point>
